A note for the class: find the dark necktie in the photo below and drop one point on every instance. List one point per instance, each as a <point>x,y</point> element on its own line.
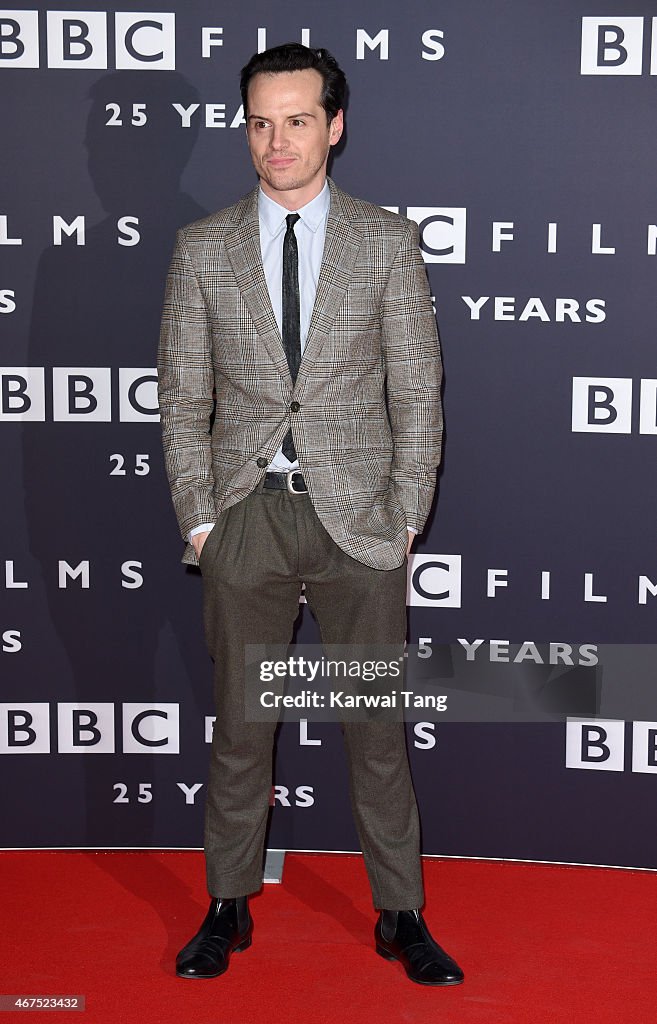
<point>291,315</point>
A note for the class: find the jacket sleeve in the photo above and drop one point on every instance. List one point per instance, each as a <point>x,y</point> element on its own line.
<point>413,380</point>
<point>185,391</point>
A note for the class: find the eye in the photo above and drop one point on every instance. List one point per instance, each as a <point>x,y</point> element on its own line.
<point>297,122</point>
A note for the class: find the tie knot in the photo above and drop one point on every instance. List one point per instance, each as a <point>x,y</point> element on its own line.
<point>291,220</point>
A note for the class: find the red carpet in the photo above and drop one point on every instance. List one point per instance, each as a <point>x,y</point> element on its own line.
<point>537,944</point>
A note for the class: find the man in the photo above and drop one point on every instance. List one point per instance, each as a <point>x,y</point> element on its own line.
<point>308,313</point>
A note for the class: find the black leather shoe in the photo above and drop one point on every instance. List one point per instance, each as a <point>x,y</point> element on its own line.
<point>403,935</point>
<point>227,928</point>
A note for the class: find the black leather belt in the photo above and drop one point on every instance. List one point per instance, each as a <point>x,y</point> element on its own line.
<point>291,481</point>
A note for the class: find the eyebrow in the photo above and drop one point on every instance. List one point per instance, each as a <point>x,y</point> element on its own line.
<point>261,117</point>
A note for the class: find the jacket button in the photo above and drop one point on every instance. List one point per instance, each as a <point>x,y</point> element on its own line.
<point>295,406</point>
<point>261,463</point>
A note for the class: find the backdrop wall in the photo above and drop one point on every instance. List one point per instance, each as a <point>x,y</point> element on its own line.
<point>521,137</point>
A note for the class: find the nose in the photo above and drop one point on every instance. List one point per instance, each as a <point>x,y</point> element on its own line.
<point>279,137</point>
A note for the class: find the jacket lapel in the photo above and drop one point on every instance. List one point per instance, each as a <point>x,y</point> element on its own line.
<point>343,240</point>
<point>243,252</point>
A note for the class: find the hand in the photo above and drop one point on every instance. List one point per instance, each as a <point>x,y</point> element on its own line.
<point>411,538</point>
<point>198,540</point>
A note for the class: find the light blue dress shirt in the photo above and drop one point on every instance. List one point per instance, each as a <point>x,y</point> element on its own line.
<point>310,232</point>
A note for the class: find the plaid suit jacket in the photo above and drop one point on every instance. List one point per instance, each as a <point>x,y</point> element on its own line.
<point>368,432</point>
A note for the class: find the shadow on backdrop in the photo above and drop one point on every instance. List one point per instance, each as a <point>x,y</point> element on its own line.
<point>98,305</point>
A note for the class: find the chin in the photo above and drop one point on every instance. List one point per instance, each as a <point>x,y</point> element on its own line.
<point>282,184</point>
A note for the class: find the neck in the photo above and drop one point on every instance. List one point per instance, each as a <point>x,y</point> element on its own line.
<point>295,198</point>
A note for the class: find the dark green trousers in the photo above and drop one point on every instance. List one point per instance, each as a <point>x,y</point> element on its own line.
<point>253,563</point>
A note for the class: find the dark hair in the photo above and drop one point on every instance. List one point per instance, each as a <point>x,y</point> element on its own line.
<point>295,57</point>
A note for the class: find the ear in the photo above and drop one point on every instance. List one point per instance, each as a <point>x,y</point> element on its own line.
<point>336,128</point>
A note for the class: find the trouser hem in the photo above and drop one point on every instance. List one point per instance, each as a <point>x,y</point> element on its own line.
<point>400,903</point>
<point>233,890</point>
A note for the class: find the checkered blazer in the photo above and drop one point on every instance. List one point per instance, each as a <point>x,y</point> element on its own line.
<point>368,431</point>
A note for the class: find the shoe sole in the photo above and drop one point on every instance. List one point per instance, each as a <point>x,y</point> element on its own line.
<point>390,956</point>
<point>206,977</point>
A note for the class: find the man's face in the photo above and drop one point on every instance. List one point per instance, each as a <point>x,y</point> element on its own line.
<point>289,136</point>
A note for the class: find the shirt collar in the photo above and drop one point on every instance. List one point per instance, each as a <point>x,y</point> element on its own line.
<point>272,215</point>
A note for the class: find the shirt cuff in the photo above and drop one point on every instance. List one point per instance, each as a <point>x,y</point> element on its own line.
<point>411,530</point>
<point>203,528</point>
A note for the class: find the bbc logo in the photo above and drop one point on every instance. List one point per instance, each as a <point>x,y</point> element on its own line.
<point>96,728</point>
<point>434,581</point>
<point>78,394</point>
<point>604,405</point>
<point>79,40</point>
<point>599,745</point>
<point>614,46</point>
<point>442,231</point>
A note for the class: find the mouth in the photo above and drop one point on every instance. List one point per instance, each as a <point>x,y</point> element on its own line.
<point>280,161</point>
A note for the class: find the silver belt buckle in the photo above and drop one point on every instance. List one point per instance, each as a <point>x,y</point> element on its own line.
<point>288,481</point>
